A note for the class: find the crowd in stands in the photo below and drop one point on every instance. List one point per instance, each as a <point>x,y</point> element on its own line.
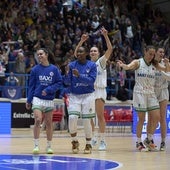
<point>25,26</point>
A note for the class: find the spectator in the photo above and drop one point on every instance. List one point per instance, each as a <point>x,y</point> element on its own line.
<point>20,68</point>
<point>28,22</point>
<point>12,80</point>
<point>2,71</point>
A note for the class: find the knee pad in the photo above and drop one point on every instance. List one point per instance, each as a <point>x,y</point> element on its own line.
<point>73,123</point>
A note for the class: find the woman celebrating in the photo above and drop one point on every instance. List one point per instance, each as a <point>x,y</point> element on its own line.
<point>144,97</point>
<point>162,94</point>
<point>100,85</point>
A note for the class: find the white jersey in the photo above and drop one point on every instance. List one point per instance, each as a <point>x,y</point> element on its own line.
<point>101,79</point>
<point>161,81</point>
<point>144,78</point>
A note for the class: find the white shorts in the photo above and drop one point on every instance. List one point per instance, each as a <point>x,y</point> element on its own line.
<point>145,102</point>
<point>43,105</point>
<point>100,93</point>
<point>162,94</point>
<point>82,105</point>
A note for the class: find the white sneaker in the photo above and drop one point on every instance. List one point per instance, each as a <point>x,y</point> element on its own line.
<point>102,146</point>
<point>94,142</point>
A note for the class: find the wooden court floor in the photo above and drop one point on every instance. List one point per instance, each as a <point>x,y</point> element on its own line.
<point>120,148</point>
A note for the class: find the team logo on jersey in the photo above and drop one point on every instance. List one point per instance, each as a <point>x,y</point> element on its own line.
<point>51,74</point>
<point>45,78</point>
<point>87,70</point>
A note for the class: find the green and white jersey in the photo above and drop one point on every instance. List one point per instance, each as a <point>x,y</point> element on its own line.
<point>161,81</point>
<point>144,78</point>
<point>101,79</point>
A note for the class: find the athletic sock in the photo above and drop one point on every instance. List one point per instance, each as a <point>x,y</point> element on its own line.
<point>102,136</point>
<point>36,142</point>
<point>150,136</point>
<point>139,140</point>
<point>48,144</point>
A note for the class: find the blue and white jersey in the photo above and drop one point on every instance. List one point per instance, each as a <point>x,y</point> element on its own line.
<point>47,78</point>
<point>144,78</point>
<point>87,75</point>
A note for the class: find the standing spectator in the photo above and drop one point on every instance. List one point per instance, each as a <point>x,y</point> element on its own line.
<point>81,76</point>
<point>129,33</point>
<point>147,33</point>
<point>2,70</point>
<point>45,80</point>
<point>20,68</point>
<point>12,80</point>
<point>144,97</point>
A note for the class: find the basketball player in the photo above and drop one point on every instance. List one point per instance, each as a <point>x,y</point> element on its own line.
<point>81,75</point>
<point>162,93</point>
<point>144,97</point>
<point>45,80</point>
<point>100,85</point>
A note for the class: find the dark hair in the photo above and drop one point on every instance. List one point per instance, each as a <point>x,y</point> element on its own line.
<point>158,47</point>
<point>44,49</point>
<point>87,52</point>
<point>86,49</point>
<point>149,47</point>
<point>50,54</point>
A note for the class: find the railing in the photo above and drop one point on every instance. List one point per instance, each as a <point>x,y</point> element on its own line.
<point>23,85</point>
<point>112,87</point>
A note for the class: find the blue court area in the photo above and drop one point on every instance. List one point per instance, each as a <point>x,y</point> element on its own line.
<point>43,162</point>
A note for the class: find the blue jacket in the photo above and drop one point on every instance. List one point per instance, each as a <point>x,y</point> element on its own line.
<point>47,78</point>
<point>85,82</point>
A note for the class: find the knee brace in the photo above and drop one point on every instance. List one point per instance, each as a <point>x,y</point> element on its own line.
<point>73,123</point>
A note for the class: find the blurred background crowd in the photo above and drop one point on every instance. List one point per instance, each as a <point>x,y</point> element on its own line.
<point>27,25</point>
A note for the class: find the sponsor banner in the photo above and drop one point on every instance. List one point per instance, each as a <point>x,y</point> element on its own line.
<point>112,114</point>
<point>12,92</point>
<point>21,117</point>
<point>158,130</point>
